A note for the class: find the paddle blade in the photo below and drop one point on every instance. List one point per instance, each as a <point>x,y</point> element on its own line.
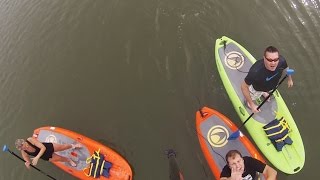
<point>5,148</point>
<point>234,135</point>
<point>290,71</point>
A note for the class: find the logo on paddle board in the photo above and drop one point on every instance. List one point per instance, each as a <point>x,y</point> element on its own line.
<point>51,139</point>
<point>234,60</point>
<point>218,136</point>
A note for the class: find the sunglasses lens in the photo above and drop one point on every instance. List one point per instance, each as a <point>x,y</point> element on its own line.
<point>274,60</point>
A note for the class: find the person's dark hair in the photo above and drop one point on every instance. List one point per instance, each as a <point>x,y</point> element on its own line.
<point>232,153</point>
<point>270,49</point>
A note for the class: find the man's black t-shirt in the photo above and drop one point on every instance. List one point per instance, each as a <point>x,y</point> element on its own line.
<point>261,78</point>
<point>251,166</point>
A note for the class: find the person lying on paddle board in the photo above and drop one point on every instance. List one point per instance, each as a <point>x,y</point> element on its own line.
<point>264,76</point>
<point>245,168</point>
<point>45,151</point>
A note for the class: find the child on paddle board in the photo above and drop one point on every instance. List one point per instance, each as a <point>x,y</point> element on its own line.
<point>263,77</point>
<point>45,151</point>
<point>239,168</point>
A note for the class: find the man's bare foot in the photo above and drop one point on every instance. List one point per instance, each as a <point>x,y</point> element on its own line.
<point>73,164</point>
<point>76,146</point>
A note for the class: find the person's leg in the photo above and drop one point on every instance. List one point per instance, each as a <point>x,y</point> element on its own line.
<point>62,147</point>
<point>57,158</point>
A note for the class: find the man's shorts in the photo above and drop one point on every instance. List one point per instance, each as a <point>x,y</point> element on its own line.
<point>255,95</point>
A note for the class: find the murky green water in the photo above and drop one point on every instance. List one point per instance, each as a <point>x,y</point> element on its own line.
<point>129,73</point>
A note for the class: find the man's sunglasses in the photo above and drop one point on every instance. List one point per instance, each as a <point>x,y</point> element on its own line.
<point>270,60</point>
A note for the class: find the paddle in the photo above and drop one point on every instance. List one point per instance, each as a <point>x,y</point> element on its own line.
<point>236,134</point>
<point>6,149</point>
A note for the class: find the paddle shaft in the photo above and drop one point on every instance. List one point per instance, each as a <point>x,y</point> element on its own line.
<point>265,100</point>
<point>31,165</point>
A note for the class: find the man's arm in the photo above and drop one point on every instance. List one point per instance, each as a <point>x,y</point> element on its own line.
<point>25,156</point>
<point>290,81</point>
<point>246,94</point>
<point>231,178</point>
<point>270,173</point>
<point>40,146</point>
<point>236,174</point>
<point>224,178</point>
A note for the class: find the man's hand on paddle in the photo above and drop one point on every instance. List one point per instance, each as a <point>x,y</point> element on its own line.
<point>254,107</point>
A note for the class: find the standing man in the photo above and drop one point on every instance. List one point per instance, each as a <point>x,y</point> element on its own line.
<point>245,168</point>
<point>264,76</point>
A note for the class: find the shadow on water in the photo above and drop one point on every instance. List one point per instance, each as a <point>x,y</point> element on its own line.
<point>174,170</point>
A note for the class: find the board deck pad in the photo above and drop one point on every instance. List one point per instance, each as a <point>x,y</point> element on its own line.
<point>53,137</point>
<point>213,126</point>
<point>120,168</point>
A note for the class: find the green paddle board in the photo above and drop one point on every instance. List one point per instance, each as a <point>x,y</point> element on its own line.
<point>233,62</point>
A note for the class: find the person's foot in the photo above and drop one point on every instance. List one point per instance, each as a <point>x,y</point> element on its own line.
<point>73,164</point>
<point>76,146</point>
